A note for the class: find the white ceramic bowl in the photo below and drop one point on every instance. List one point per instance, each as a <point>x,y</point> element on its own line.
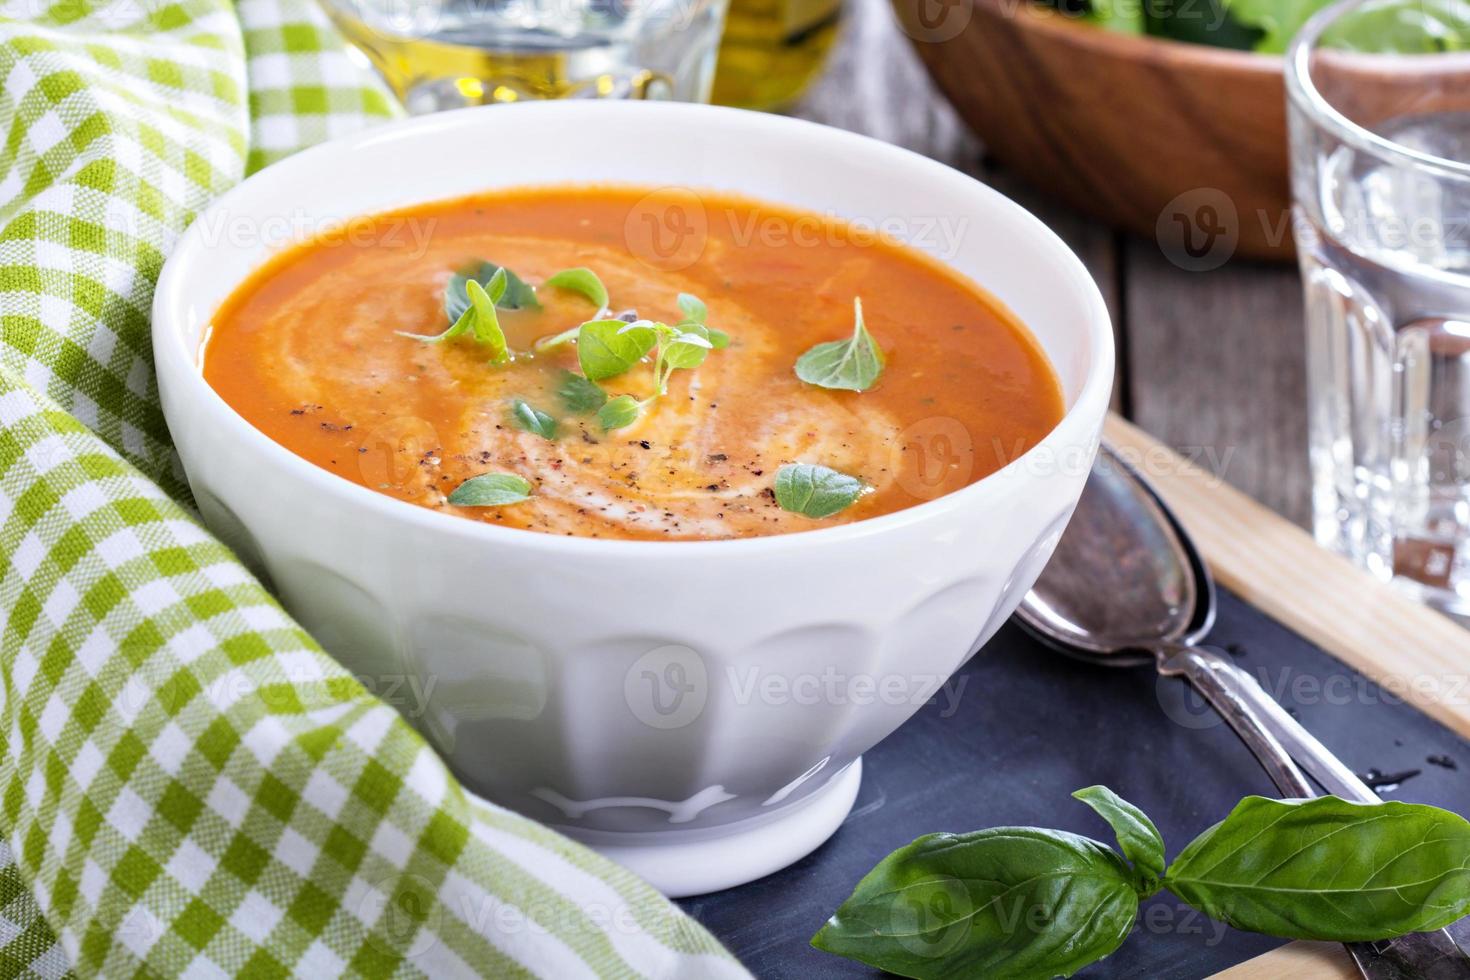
<point>695,709</point>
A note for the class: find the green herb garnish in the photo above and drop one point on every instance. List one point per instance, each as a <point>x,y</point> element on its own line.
<point>532,419</point>
<point>556,340</point>
<point>851,365</point>
<point>578,280</point>
<point>677,348</point>
<point>1329,869</point>
<point>693,308</point>
<point>695,315</point>
<point>1325,869</point>
<point>579,394</point>
<point>816,491</point>
<point>718,339</point>
<point>965,905</point>
<point>518,295</point>
<point>582,281</point>
<point>619,412</point>
<point>491,490</point>
<point>1136,833</point>
<point>478,319</point>
<point>607,348</point>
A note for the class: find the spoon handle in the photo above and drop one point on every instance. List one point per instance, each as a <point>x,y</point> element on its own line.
<point>1336,778</point>
<point>1300,744</point>
<point>1237,697</point>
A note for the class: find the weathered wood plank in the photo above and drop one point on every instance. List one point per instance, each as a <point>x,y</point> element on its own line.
<point>1299,961</point>
<point>1094,244</point>
<point>1217,370</point>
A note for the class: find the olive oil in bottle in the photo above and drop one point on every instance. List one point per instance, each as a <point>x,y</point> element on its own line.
<point>772,49</point>
<point>445,54</point>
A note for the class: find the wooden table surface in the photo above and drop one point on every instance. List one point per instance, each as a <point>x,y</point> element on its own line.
<point>1211,363</point>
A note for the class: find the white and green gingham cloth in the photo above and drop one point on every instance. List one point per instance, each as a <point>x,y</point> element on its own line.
<point>188,785</point>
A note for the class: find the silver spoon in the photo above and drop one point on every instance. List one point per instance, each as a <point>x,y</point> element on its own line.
<point>1127,586</point>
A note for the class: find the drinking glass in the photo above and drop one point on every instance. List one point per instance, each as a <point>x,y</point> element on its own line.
<point>447,54</point>
<point>1379,104</point>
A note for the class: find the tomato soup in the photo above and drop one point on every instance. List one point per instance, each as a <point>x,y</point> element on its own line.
<point>597,361</point>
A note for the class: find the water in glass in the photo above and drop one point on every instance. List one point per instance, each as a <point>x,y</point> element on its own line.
<point>1385,254</point>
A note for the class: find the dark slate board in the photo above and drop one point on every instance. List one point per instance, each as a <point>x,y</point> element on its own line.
<point>1031,727</point>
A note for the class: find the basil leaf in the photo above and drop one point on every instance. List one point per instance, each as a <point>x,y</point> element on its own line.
<point>1137,835</point>
<point>532,419</point>
<point>491,490</point>
<point>556,340</point>
<point>693,308</point>
<point>852,365</point>
<point>580,395</point>
<point>718,339</point>
<point>581,280</point>
<point>686,350</point>
<point>1329,869</point>
<point>816,491</point>
<point>517,295</point>
<point>618,413</point>
<point>483,319</point>
<point>460,327</point>
<point>1014,902</point>
<point>478,319</point>
<point>607,348</point>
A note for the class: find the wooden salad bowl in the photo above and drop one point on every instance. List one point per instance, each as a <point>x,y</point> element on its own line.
<point>1152,135</point>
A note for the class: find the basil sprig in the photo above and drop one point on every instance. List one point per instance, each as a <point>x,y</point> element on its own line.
<point>854,364</point>
<point>608,348</point>
<point>478,318</point>
<point>517,295</point>
<point>814,490</point>
<point>1031,904</point>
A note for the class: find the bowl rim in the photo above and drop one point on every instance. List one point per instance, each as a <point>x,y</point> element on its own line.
<point>1079,424</point>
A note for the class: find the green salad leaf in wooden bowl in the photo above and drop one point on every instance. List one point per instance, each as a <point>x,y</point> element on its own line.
<point>1164,117</point>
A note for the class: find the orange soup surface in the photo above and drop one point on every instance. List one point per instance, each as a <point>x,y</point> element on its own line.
<point>311,351</point>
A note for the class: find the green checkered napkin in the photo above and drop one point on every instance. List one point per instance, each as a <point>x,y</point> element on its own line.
<point>188,785</point>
